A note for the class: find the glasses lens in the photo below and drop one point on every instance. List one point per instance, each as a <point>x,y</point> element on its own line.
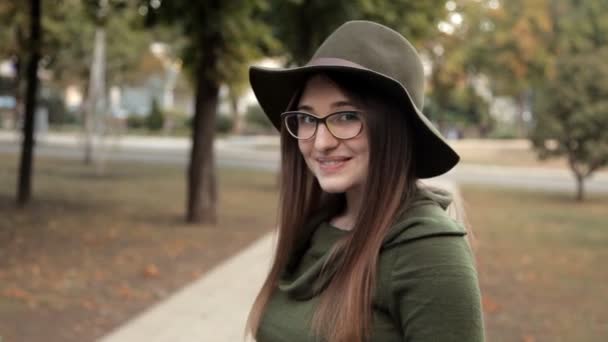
<point>301,125</point>
<point>345,125</point>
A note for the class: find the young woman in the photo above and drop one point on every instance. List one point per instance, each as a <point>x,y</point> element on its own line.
<point>364,251</point>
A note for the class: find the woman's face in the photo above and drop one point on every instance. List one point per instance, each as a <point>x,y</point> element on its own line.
<point>339,165</point>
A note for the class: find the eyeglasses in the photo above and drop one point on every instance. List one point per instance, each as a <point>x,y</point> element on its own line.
<point>342,125</point>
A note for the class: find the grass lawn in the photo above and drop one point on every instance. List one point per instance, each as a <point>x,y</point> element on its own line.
<point>541,259</point>
<point>91,252</point>
<point>515,153</point>
<point>505,156</point>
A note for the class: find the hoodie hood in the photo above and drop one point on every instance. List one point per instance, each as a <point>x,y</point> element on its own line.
<point>425,217</point>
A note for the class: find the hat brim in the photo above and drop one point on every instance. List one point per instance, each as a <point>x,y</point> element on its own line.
<point>274,89</point>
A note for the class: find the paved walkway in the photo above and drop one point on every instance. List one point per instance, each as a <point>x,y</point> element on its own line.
<point>259,153</point>
<point>213,308</point>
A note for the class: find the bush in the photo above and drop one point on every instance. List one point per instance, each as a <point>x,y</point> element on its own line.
<point>155,119</point>
<point>135,121</point>
<point>256,117</point>
<point>223,123</point>
<point>56,108</point>
<point>176,122</point>
<point>504,131</point>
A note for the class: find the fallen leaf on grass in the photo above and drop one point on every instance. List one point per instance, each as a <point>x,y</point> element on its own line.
<point>151,271</point>
<point>124,291</point>
<point>175,248</point>
<point>120,260</point>
<point>528,338</point>
<point>35,270</point>
<point>145,295</point>
<point>52,224</point>
<point>88,304</point>
<point>489,305</point>
<point>90,239</point>
<point>113,234</point>
<point>17,293</point>
<point>526,276</point>
<point>160,293</point>
<point>99,275</point>
<point>32,303</point>
<point>531,276</point>
<point>196,274</point>
<point>526,259</point>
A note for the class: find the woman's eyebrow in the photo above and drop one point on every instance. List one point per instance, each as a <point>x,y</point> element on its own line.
<point>305,107</point>
<point>337,104</point>
<point>342,104</point>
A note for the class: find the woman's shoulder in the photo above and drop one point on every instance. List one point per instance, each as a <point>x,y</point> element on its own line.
<point>425,217</point>
<point>427,248</point>
<point>441,252</point>
<point>427,237</point>
<point>432,288</point>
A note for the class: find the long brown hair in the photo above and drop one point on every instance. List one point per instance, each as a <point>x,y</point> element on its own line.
<point>344,310</point>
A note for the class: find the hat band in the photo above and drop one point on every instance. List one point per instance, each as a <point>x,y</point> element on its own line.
<point>331,61</point>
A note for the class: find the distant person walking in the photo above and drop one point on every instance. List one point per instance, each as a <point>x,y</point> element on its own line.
<point>365,251</point>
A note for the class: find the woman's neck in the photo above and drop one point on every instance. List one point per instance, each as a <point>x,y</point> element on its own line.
<point>346,219</point>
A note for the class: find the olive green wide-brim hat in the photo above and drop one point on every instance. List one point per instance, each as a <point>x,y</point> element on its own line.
<point>378,56</point>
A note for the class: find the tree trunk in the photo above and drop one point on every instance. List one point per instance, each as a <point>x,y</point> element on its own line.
<point>580,188</point>
<point>18,92</point>
<point>579,175</point>
<point>95,105</point>
<point>25,168</point>
<point>87,125</point>
<point>202,187</point>
<point>237,122</point>
<point>519,120</point>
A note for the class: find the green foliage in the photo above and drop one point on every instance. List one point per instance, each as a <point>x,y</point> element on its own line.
<point>457,64</point>
<point>223,123</point>
<point>6,85</point>
<point>177,122</point>
<point>503,132</point>
<point>511,43</point>
<point>572,107</point>
<point>232,32</point>
<point>155,118</point>
<point>136,121</point>
<point>517,45</point>
<point>454,105</point>
<point>13,28</point>
<point>254,116</point>
<point>68,31</point>
<point>579,26</point>
<point>572,116</point>
<point>58,113</point>
<point>416,20</point>
<point>301,26</point>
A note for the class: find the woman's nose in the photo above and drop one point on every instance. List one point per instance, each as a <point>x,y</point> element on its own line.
<point>324,139</point>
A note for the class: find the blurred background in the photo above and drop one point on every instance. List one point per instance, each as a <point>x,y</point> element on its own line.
<point>134,157</point>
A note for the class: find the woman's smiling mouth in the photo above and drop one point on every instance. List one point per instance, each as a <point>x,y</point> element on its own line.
<point>330,164</point>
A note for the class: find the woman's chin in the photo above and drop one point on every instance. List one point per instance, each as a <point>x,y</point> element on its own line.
<point>333,188</point>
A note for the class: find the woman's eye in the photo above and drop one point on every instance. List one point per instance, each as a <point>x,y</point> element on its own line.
<point>306,119</point>
<point>348,116</point>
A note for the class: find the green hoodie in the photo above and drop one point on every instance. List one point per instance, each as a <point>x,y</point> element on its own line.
<point>427,287</point>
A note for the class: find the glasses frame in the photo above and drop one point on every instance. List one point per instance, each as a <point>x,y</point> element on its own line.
<point>318,120</point>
